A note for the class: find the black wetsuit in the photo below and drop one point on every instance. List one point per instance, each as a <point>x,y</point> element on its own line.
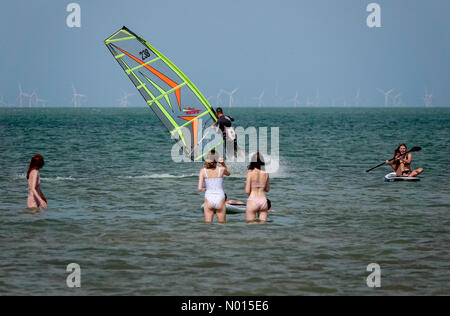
<point>223,123</point>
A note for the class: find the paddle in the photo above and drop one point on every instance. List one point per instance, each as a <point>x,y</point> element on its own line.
<point>414,149</point>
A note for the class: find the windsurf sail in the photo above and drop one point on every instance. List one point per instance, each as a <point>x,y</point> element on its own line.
<point>174,99</point>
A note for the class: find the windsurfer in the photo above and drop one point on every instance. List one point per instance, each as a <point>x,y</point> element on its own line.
<point>225,124</point>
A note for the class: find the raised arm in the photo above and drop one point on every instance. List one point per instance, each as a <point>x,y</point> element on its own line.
<point>226,171</point>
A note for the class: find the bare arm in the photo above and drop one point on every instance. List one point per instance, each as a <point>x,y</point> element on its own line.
<point>390,164</point>
<point>248,188</point>
<point>267,187</point>
<point>200,182</point>
<point>226,171</point>
<point>42,195</point>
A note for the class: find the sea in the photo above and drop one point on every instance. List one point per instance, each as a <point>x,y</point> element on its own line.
<point>130,217</point>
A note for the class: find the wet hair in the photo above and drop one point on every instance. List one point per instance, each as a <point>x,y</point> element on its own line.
<point>219,111</point>
<point>37,162</point>
<point>211,165</point>
<point>257,162</point>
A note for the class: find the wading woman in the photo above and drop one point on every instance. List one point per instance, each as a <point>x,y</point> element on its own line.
<point>36,198</point>
<point>212,175</point>
<point>256,186</point>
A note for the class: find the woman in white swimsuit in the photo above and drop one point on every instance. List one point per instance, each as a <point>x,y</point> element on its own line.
<point>36,198</point>
<point>212,175</point>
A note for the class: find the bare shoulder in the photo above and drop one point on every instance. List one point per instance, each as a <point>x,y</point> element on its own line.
<point>34,173</point>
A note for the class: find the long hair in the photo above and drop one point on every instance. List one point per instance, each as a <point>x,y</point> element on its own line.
<point>37,162</point>
<point>211,164</point>
<point>397,154</point>
<point>211,160</point>
<point>257,162</point>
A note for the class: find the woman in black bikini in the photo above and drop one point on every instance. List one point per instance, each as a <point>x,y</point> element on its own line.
<point>402,163</point>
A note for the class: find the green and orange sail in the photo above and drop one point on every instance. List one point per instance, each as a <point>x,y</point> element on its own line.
<point>176,101</point>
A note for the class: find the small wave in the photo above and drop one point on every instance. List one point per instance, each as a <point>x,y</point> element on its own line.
<point>159,176</point>
<point>22,176</point>
<point>62,179</point>
<point>180,176</point>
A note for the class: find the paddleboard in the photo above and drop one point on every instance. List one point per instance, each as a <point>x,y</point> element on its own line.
<point>233,208</point>
<point>392,177</point>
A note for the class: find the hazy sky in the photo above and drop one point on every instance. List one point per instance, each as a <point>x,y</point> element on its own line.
<point>308,46</point>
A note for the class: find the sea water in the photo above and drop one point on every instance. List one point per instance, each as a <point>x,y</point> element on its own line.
<point>131,219</point>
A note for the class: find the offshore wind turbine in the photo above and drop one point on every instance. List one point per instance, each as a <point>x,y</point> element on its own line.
<point>37,99</point>
<point>2,102</point>
<point>230,95</point>
<point>23,94</point>
<point>295,100</point>
<point>396,100</point>
<point>386,96</point>
<point>42,101</point>
<point>32,97</point>
<point>428,99</point>
<point>123,100</point>
<point>218,99</point>
<point>317,98</point>
<point>357,97</point>
<point>260,99</point>
<point>76,97</point>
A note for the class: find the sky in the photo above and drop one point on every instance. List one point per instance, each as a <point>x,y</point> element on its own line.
<point>322,49</point>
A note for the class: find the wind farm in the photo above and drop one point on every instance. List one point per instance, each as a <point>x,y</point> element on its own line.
<point>260,99</point>
<point>77,98</point>
<point>230,95</point>
<point>30,98</point>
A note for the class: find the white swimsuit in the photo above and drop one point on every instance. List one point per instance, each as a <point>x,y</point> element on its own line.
<point>214,189</point>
